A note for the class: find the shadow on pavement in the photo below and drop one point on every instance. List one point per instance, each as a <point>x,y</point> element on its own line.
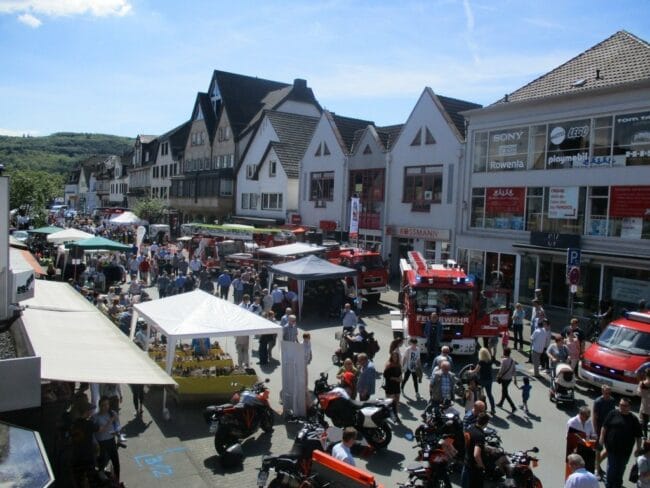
<point>136,426</point>
<point>186,420</point>
<point>385,462</point>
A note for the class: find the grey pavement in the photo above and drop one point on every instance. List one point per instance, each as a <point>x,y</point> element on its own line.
<point>180,451</point>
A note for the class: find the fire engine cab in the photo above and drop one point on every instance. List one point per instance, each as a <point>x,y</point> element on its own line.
<point>372,275</point>
<point>445,288</point>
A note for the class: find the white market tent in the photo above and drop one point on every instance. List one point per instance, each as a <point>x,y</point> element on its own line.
<point>198,314</point>
<point>310,268</point>
<point>126,218</point>
<point>295,249</point>
<point>68,235</point>
<point>76,342</point>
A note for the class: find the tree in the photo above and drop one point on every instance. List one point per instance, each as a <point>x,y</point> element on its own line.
<point>150,209</point>
<point>34,190</point>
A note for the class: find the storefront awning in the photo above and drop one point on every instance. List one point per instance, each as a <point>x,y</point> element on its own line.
<point>76,342</point>
<point>589,254</point>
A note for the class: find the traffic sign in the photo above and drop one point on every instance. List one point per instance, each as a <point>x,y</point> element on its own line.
<point>573,276</point>
<point>572,257</point>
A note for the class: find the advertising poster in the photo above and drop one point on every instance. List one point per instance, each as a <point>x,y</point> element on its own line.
<point>629,291</point>
<point>500,201</point>
<point>508,149</point>
<point>629,201</point>
<point>632,139</point>
<point>563,202</point>
<point>354,217</point>
<point>631,227</point>
<point>568,144</point>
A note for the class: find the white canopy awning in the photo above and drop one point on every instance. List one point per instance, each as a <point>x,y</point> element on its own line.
<point>296,249</point>
<point>200,314</point>
<point>68,235</point>
<point>125,218</point>
<point>76,342</point>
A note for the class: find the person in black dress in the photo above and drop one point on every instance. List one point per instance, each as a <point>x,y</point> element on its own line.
<point>392,380</point>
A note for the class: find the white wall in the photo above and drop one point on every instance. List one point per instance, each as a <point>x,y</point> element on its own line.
<point>335,161</point>
<point>444,152</point>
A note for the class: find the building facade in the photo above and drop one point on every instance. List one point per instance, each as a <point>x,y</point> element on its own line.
<point>145,151</point>
<point>564,162</point>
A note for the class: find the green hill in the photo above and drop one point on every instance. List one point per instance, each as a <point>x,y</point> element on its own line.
<point>59,152</point>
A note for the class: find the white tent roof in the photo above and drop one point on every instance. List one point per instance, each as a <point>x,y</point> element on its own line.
<point>68,235</point>
<point>291,249</point>
<point>200,314</point>
<point>77,342</point>
<point>125,218</point>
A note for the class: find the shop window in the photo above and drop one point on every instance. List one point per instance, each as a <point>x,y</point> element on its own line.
<point>568,144</point>
<point>538,146</point>
<point>527,278</point>
<point>476,267</point>
<point>504,207</point>
<point>632,144</point>
<point>628,218</point>
<point>462,256</point>
<point>601,149</point>
<point>478,207</point>
<point>597,203</point>
<point>479,151</point>
<point>508,149</point>
<point>564,210</point>
<point>492,272</point>
<point>534,208</point>
<point>422,184</point>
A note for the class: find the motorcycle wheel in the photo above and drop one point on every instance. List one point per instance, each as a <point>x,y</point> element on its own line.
<point>266,423</point>
<point>380,437</point>
<point>221,439</point>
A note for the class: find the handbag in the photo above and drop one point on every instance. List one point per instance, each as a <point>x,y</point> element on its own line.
<point>634,473</point>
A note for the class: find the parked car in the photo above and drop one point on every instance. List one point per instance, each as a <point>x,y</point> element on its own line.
<point>621,354</point>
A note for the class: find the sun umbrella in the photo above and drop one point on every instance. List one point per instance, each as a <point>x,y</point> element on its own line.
<point>68,235</point>
<point>99,243</point>
<point>50,229</point>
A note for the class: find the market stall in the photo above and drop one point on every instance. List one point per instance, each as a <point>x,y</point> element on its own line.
<point>310,268</point>
<point>200,315</point>
<point>67,235</point>
<point>126,218</point>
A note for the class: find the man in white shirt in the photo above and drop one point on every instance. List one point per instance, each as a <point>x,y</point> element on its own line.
<point>537,346</point>
<point>580,477</point>
<point>580,429</point>
<point>341,451</point>
<point>348,318</point>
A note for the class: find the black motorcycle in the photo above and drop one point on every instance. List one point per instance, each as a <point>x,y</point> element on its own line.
<point>439,421</point>
<point>517,469</point>
<point>369,418</point>
<point>294,468</point>
<point>248,411</point>
<point>350,347</point>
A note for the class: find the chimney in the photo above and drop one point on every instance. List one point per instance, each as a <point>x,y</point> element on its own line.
<point>300,84</point>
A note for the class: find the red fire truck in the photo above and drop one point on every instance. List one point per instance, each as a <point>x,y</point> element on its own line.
<point>372,276</point>
<point>446,289</point>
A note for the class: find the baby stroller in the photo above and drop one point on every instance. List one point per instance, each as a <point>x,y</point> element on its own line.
<point>563,384</point>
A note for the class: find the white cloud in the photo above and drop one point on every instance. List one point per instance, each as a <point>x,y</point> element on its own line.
<point>30,20</point>
<point>58,8</point>
<point>17,133</point>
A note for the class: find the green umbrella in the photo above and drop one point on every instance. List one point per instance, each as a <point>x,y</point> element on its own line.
<point>50,229</point>
<point>99,243</point>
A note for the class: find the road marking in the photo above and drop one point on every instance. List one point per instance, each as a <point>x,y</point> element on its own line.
<point>155,462</point>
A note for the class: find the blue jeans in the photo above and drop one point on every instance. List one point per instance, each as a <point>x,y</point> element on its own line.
<point>616,463</point>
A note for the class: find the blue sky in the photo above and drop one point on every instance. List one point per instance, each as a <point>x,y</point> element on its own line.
<point>131,67</point>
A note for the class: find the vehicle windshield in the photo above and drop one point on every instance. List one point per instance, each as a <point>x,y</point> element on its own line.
<point>625,339</point>
<point>494,300</point>
<point>369,262</point>
<point>445,301</point>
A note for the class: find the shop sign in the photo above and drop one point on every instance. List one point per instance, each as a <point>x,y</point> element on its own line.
<point>554,240</point>
<point>563,202</point>
<point>629,291</point>
<point>423,233</point>
<point>508,149</point>
<point>568,144</point>
<point>629,201</point>
<point>502,200</point>
<point>632,139</point>
<point>327,225</point>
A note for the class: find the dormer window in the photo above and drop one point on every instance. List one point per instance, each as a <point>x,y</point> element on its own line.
<point>273,167</point>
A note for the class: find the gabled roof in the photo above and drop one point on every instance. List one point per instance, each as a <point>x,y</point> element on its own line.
<point>209,118</point>
<point>347,127</point>
<point>294,133</point>
<point>453,107</point>
<point>620,59</point>
<point>389,134</point>
<point>177,137</point>
<point>298,92</point>
<point>242,96</point>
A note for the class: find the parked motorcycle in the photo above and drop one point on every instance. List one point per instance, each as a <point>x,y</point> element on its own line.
<point>369,418</point>
<point>517,468</point>
<point>351,345</point>
<point>440,421</point>
<point>248,411</point>
<point>294,468</point>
